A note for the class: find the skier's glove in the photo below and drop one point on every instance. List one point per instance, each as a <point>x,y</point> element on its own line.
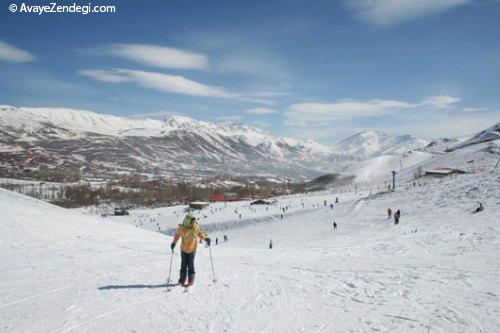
<point>208,241</point>
<point>172,246</point>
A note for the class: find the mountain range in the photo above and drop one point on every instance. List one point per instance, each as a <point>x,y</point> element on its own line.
<point>180,147</point>
<point>177,146</point>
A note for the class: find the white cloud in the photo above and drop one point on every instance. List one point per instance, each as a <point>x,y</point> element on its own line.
<point>270,94</point>
<point>436,116</point>
<point>425,126</point>
<point>441,102</point>
<point>105,75</point>
<point>386,12</point>
<point>473,109</point>
<point>341,110</point>
<point>344,110</point>
<point>261,111</point>
<point>11,53</point>
<point>154,55</point>
<point>166,83</point>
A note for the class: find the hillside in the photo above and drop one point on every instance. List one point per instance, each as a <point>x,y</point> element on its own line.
<point>72,140</point>
<point>436,271</point>
<point>477,151</point>
<point>373,143</point>
<point>490,134</point>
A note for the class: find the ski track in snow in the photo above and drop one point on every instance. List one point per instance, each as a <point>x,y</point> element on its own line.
<point>62,271</point>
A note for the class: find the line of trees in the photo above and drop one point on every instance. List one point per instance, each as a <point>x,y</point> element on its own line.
<point>136,189</point>
<point>149,195</point>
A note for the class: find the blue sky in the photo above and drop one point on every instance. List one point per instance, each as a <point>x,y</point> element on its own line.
<point>320,69</point>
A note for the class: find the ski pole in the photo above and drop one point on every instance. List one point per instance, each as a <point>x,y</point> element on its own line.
<point>170,269</point>
<point>212,262</point>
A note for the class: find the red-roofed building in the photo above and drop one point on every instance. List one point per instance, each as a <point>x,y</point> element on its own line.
<point>218,197</point>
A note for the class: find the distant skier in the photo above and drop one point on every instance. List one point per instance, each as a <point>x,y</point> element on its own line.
<point>225,238</point>
<point>397,215</point>
<point>334,226</point>
<point>189,231</point>
<point>480,208</point>
<point>337,200</point>
<point>216,241</point>
<point>331,206</point>
<point>389,213</point>
<point>271,244</point>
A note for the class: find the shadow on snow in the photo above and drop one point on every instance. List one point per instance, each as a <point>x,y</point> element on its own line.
<point>137,286</point>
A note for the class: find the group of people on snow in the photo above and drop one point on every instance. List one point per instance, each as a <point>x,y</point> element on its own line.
<point>397,215</point>
<point>217,239</point>
<point>190,232</point>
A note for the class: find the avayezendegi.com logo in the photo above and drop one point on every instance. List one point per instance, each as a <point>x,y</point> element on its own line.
<point>55,8</point>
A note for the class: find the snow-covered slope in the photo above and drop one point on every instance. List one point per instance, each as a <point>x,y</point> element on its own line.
<point>373,168</point>
<point>490,134</point>
<point>465,153</point>
<point>436,271</point>
<point>441,145</point>
<point>372,143</point>
<point>472,158</point>
<point>82,122</point>
<point>449,144</point>
<point>370,155</point>
<point>78,122</point>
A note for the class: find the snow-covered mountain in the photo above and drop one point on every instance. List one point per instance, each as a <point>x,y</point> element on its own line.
<point>376,154</point>
<point>490,134</point>
<point>373,143</point>
<point>371,154</point>
<point>182,147</point>
<point>178,145</point>
<point>442,145</point>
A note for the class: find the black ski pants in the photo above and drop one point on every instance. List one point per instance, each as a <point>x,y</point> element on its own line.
<point>187,265</point>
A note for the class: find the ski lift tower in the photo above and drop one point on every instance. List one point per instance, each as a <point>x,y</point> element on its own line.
<point>393,180</point>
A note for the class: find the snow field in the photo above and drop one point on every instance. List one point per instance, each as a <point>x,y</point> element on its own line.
<point>68,272</point>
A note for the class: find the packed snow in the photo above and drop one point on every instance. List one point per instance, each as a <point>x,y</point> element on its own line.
<point>438,270</point>
<point>379,167</point>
